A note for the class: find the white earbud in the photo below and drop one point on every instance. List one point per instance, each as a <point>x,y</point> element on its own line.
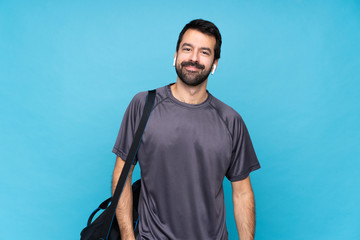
<point>174,61</point>
<point>214,68</point>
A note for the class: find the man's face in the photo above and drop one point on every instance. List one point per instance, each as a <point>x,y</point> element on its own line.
<point>195,57</point>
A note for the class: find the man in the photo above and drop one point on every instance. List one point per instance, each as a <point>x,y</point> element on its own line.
<point>191,142</point>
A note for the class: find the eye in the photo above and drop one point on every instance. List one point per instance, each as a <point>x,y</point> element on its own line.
<point>186,49</point>
<point>205,53</point>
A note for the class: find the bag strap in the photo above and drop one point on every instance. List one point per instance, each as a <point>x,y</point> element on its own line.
<point>130,158</point>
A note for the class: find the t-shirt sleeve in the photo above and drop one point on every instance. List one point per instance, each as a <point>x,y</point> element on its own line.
<point>243,159</point>
<point>128,127</point>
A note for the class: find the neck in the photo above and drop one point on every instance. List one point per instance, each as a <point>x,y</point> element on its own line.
<point>189,94</point>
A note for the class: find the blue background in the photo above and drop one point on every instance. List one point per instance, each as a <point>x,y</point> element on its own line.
<point>68,70</point>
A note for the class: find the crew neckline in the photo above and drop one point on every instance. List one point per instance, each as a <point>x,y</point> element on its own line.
<point>188,105</point>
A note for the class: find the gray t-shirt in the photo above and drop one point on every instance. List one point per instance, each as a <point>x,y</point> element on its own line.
<point>185,153</point>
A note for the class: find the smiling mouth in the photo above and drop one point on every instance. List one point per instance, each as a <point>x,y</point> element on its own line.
<point>192,66</point>
<point>192,69</point>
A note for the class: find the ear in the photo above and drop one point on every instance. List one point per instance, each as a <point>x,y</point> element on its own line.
<point>174,59</point>
<point>214,66</point>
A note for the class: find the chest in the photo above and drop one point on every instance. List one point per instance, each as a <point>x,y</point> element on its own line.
<point>178,136</point>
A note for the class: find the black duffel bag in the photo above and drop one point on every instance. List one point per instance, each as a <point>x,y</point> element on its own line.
<point>105,226</point>
<point>94,229</point>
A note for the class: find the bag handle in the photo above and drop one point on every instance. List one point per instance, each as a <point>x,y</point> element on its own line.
<point>130,159</point>
<point>102,206</point>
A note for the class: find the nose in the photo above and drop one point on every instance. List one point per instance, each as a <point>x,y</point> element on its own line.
<point>194,56</point>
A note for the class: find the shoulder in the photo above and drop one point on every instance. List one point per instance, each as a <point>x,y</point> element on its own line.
<point>224,110</point>
<point>139,99</point>
<point>230,116</point>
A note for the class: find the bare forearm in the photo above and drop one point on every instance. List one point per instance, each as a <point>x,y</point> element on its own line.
<point>244,211</point>
<point>124,210</point>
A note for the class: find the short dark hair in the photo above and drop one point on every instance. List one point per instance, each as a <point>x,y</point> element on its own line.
<point>205,27</point>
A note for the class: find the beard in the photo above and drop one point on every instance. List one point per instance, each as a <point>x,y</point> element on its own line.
<point>189,77</point>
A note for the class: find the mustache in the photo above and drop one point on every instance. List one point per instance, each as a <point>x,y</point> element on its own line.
<point>194,64</point>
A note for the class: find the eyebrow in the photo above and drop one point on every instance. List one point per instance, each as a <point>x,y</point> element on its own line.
<point>189,45</point>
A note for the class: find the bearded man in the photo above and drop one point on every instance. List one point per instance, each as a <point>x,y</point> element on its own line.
<point>192,141</point>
